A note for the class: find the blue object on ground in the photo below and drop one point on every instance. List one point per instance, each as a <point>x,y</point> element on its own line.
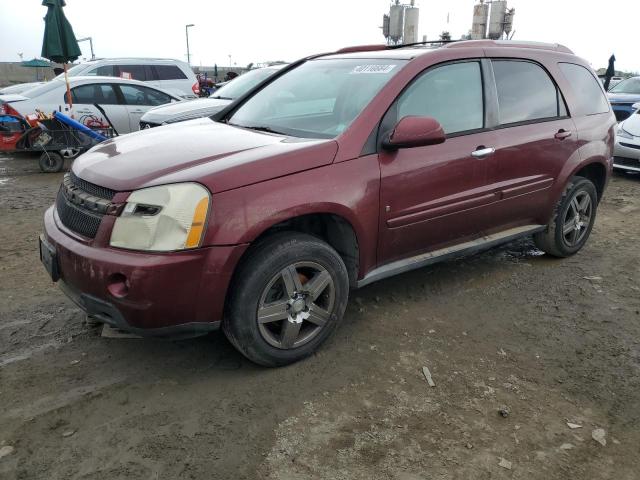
<point>78,126</point>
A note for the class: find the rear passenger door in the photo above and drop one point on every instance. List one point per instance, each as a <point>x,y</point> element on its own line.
<point>86,96</point>
<point>138,100</point>
<point>535,139</point>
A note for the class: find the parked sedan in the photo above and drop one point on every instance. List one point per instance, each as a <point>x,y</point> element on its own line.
<point>627,149</point>
<point>205,107</point>
<point>124,101</point>
<point>623,96</point>
<point>19,88</point>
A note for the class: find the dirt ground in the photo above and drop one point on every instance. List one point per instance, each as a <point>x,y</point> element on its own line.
<point>550,341</point>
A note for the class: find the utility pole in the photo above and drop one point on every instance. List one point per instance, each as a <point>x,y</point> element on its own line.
<point>93,57</point>
<point>186,30</point>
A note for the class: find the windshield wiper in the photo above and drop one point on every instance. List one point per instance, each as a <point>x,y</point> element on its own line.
<point>218,97</point>
<point>263,128</point>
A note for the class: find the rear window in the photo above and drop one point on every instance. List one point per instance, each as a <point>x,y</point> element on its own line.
<point>525,92</point>
<point>589,96</point>
<point>169,72</point>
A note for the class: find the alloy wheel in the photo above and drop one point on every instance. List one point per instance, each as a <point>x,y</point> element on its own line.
<point>296,305</point>
<point>577,218</point>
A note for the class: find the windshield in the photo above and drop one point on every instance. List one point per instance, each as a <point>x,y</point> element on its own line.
<point>630,85</point>
<point>242,84</point>
<point>74,71</point>
<point>318,99</point>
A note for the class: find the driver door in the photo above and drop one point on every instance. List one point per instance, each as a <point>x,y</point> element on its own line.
<point>84,99</point>
<point>435,196</point>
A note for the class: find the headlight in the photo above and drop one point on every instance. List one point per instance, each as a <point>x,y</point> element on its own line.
<point>624,134</point>
<point>163,219</point>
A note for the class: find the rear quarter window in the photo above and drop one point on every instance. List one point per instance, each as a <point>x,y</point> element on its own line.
<point>590,99</point>
<point>169,72</point>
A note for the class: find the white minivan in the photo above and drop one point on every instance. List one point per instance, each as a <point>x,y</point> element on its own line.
<point>172,76</point>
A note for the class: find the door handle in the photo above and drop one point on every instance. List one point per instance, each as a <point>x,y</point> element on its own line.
<point>562,134</point>
<point>483,152</point>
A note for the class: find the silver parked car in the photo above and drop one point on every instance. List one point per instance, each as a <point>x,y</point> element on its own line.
<point>19,88</point>
<point>627,148</point>
<point>205,107</point>
<point>174,76</point>
<point>124,101</point>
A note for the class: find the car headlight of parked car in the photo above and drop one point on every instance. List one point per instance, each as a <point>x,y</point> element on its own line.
<point>624,134</point>
<point>163,219</point>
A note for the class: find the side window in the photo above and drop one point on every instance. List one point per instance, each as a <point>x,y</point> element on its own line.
<point>133,72</point>
<point>452,94</point>
<point>101,94</point>
<point>589,96</point>
<point>525,92</point>
<point>84,94</point>
<point>169,72</point>
<point>106,71</point>
<point>135,95</point>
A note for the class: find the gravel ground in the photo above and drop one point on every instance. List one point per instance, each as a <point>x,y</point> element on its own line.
<point>546,341</point>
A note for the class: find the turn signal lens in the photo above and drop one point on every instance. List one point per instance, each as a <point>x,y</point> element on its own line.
<point>197,225</point>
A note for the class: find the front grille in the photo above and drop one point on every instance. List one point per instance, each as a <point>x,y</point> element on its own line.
<point>621,115</point>
<point>92,189</point>
<point>630,145</point>
<point>145,125</point>
<point>626,162</point>
<point>81,205</point>
<point>75,218</point>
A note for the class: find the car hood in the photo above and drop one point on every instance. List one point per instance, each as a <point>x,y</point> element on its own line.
<point>201,107</point>
<point>623,97</point>
<point>219,156</point>
<point>632,124</point>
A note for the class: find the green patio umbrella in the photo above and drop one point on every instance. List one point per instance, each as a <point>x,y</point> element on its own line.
<point>59,44</point>
<point>37,64</point>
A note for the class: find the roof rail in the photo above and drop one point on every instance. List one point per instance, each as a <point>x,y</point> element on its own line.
<point>363,48</point>
<point>511,44</point>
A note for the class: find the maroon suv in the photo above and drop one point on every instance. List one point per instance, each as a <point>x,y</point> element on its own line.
<point>342,170</point>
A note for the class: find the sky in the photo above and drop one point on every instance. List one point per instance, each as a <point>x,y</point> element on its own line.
<point>254,31</point>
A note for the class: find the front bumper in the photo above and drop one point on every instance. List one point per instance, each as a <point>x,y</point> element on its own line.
<point>626,154</point>
<point>145,293</point>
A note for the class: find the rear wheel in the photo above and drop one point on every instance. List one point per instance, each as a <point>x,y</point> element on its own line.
<point>572,221</point>
<point>288,296</point>
<point>51,162</point>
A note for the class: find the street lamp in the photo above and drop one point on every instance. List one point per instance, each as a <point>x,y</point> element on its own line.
<point>186,30</point>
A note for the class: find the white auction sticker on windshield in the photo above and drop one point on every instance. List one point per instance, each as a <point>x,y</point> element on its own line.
<point>373,69</point>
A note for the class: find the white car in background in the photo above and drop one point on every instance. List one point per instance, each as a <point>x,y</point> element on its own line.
<point>626,152</point>
<point>205,107</point>
<point>124,101</point>
<point>19,88</point>
<point>174,76</point>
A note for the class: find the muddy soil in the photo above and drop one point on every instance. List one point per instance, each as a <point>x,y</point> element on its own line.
<point>547,341</point>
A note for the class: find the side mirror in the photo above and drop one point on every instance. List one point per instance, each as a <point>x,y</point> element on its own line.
<point>413,131</point>
<point>636,106</point>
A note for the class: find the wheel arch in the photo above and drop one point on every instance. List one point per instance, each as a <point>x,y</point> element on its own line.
<point>596,172</point>
<point>333,228</point>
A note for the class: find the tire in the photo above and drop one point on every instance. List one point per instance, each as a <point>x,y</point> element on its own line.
<point>51,162</point>
<point>287,297</point>
<point>567,232</point>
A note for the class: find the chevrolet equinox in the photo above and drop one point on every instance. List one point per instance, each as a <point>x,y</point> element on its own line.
<point>341,170</point>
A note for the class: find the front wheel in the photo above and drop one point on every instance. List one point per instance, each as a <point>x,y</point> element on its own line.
<point>51,162</point>
<point>572,220</point>
<point>287,297</point>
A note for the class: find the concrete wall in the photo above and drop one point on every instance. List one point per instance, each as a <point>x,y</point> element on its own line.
<point>12,73</point>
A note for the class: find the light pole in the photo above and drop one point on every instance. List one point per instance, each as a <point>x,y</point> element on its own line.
<point>186,31</point>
